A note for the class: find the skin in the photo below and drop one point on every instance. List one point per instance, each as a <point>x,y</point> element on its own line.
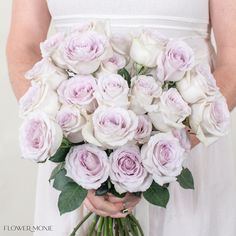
<point>29,27</point>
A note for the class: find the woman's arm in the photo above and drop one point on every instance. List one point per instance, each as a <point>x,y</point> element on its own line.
<point>223,18</point>
<point>29,26</point>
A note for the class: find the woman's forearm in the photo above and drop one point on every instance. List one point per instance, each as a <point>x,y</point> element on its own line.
<point>20,59</point>
<point>226,79</point>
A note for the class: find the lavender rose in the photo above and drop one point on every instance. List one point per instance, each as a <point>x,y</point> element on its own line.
<point>79,91</point>
<point>44,71</point>
<point>210,119</point>
<point>40,137</point>
<point>110,127</point>
<point>112,90</point>
<point>171,112</point>
<point>163,157</point>
<point>112,65</point>
<point>175,61</point>
<point>198,84</point>
<point>127,172</point>
<point>182,136</point>
<point>144,129</point>
<point>39,97</point>
<point>145,92</point>
<point>84,52</point>
<point>87,165</point>
<point>71,121</point>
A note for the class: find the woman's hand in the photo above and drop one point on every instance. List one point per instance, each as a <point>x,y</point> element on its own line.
<point>109,205</point>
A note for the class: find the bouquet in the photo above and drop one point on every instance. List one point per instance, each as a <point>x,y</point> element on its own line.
<point>112,111</point>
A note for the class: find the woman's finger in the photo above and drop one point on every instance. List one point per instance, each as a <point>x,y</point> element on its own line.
<point>91,208</point>
<point>101,204</point>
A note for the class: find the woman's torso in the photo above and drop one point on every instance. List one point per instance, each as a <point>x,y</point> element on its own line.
<point>175,18</point>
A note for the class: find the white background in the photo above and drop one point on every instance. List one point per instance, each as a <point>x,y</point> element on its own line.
<point>17,176</point>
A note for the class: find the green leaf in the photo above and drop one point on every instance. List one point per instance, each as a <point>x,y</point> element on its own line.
<point>125,74</point>
<point>103,190</point>
<point>71,197</point>
<point>137,194</point>
<point>56,170</point>
<point>157,195</point>
<point>185,179</point>
<point>60,155</point>
<point>61,180</point>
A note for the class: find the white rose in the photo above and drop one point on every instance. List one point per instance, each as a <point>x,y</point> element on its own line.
<point>51,45</point>
<point>121,43</point>
<point>46,72</point>
<point>71,121</point>
<point>210,119</point>
<point>197,84</point>
<point>39,97</point>
<point>112,90</point>
<point>40,137</point>
<point>171,112</point>
<point>110,127</point>
<point>147,47</point>
<point>145,91</point>
<point>163,157</point>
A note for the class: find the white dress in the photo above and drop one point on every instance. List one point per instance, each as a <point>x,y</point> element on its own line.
<point>209,210</point>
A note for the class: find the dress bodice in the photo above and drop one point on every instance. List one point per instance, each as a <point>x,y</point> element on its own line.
<point>175,18</point>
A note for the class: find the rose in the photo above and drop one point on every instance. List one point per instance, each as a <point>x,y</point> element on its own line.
<point>210,119</point>
<point>39,137</point>
<point>46,72</point>
<point>87,165</point>
<point>171,112</point>
<point>39,97</point>
<point>50,46</point>
<point>177,59</point>
<point>127,172</point>
<point>112,90</point>
<point>83,52</point>
<point>71,121</point>
<point>162,156</point>
<point>97,26</point>
<point>198,84</point>
<point>144,129</point>
<point>79,91</point>
<point>121,43</point>
<point>181,135</point>
<point>110,127</point>
<point>114,63</point>
<point>145,91</point>
<point>146,48</point>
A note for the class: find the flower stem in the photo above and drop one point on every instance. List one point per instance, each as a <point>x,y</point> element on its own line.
<point>94,223</point>
<point>100,226</point>
<point>105,228</point>
<point>110,226</point>
<point>80,224</point>
<point>136,223</point>
<point>121,230</point>
<point>124,225</point>
<point>132,228</point>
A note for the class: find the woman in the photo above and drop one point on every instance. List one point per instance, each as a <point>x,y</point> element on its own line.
<point>209,210</point>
